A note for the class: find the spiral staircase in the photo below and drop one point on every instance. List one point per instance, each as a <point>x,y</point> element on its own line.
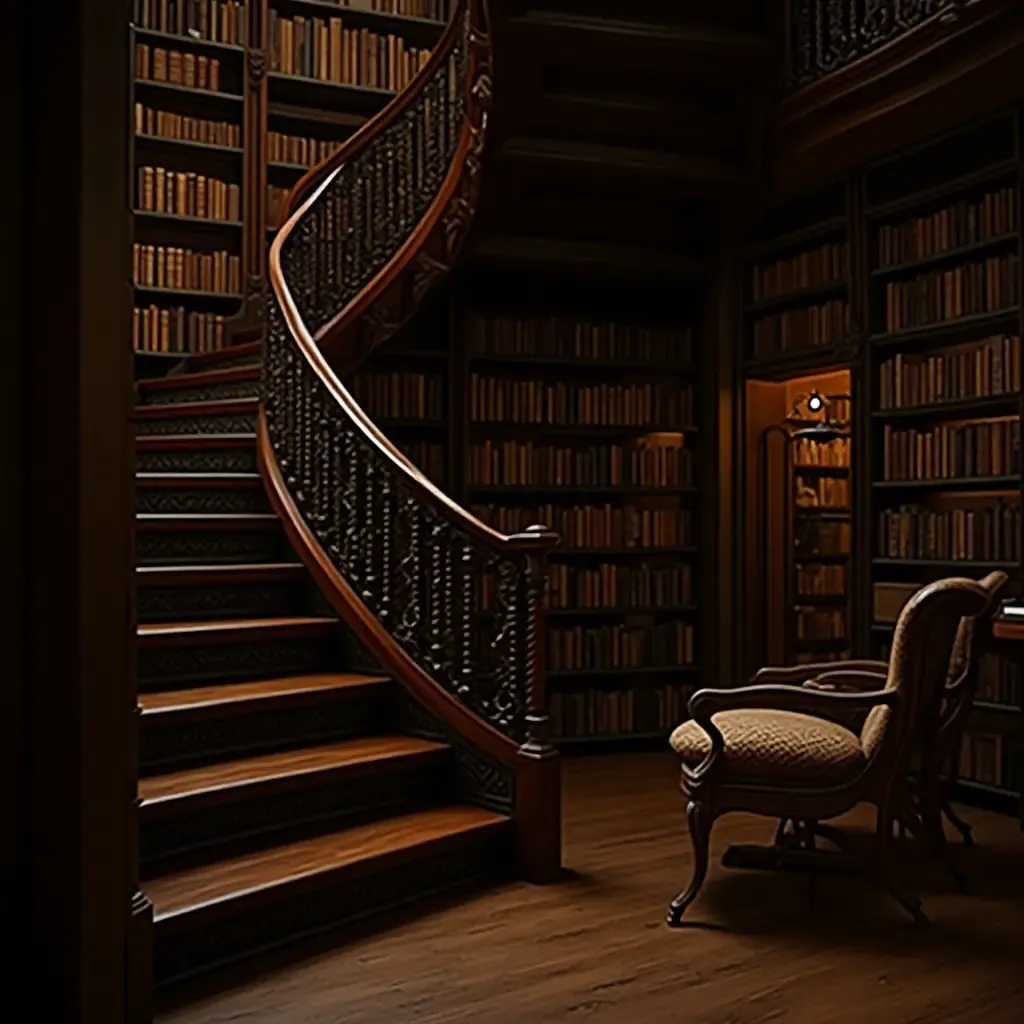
<point>341,692</point>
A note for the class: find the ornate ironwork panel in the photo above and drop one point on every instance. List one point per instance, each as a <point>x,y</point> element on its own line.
<point>825,35</point>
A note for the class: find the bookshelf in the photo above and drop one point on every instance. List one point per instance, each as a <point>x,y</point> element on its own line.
<point>942,255</point>
<point>585,417</point>
<point>187,153</point>
<point>933,281</point>
<point>233,101</point>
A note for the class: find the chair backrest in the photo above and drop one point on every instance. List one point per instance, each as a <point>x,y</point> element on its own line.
<point>962,679</point>
<point>920,662</point>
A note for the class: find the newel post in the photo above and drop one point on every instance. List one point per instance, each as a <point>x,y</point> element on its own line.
<point>538,809</point>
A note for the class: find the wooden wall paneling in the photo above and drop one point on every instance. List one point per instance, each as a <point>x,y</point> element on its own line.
<point>81,501</point>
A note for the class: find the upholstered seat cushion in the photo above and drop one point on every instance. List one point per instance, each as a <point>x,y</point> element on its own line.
<point>776,746</point>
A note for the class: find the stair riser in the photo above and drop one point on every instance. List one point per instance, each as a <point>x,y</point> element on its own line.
<point>213,547</point>
<point>201,392</point>
<point>201,460</point>
<point>268,814</point>
<point>218,601</point>
<point>167,747</point>
<point>175,667</point>
<point>207,423</point>
<point>200,500</point>
<point>300,911</point>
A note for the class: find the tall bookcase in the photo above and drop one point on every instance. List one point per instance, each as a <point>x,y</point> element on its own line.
<point>933,348</point>
<point>584,415</point>
<point>942,266</point>
<point>233,101</point>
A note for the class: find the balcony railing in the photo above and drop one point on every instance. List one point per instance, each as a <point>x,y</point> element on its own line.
<point>826,35</point>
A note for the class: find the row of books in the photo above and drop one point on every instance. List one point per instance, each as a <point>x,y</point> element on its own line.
<point>977,370</point>
<point>329,52</point>
<point>166,266</point>
<point>942,295</point>
<point>578,713</point>
<point>835,454</point>
<point>186,194</point>
<point>428,456</point>
<point>814,537</point>
<point>156,329</point>
<point>820,580</point>
<point>405,396</point>
<point>164,124</point>
<point>986,532</point>
<point>992,760</point>
<point>822,492</point>
<point>156,64</point>
<point>277,197</point>
<point>597,526</point>
<point>827,263</point>
<point>999,682</point>
<point>951,451</point>
<point>816,624</point>
<point>221,21</point>
<point>505,400</point>
<point>619,646</point>
<point>622,587</point>
<point>523,464</point>
<point>967,222</point>
<point>297,149</point>
<point>562,338</point>
<point>433,10</point>
<point>795,329</point>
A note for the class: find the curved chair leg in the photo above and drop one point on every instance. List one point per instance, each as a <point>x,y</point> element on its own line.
<point>887,872</point>
<point>698,817</point>
<point>958,823</point>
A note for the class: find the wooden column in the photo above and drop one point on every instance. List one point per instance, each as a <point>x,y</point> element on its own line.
<point>69,483</point>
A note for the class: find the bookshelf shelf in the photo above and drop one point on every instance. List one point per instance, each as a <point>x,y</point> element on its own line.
<point>803,237</point>
<point>1002,171</point>
<point>291,86</point>
<point>188,293</point>
<point>826,289</point>
<point>574,613</point>
<point>385,22</point>
<point>988,405</point>
<point>203,222</point>
<point>143,138</point>
<point>607,673</point>
<point>633,552</point>
<point>947,332</point>
<point>960,254</point>
<point>227,98</point>
<point>172,39</point>
<point>946,564</point>
<point>575,490</point>
<point>978,483</point>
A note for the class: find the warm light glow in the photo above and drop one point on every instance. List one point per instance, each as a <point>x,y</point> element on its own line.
<point>815,403</point>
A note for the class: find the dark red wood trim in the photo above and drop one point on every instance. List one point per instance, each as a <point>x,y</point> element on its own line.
<point>923,82</point>
<point>364,623</point>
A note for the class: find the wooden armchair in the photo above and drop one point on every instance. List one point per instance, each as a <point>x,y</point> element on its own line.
<point>781,750</point>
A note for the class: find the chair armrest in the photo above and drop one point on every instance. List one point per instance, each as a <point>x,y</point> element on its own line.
<point>821,703</point>
<point>847,681</point>
<point>798,673</point>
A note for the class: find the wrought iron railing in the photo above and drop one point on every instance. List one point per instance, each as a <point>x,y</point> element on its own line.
<point>826,35</point>
<point>451,600</point>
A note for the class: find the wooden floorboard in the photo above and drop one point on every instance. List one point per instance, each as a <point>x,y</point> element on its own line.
<point>595,947</point>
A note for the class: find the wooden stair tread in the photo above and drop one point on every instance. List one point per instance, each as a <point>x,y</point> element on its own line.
<point>211,479</point>
<point>365,752</point>
<point>228,694</point>
<point>395,839</point>
<point>206,521</point>
<point>186,380</point>
<point>250,348</point>
<point>190,441</point>
<point>170,410</point>
<point>152,633</point>
<point>183,575</point>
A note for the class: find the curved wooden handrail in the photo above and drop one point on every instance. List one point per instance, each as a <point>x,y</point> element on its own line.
<point>451,607</point>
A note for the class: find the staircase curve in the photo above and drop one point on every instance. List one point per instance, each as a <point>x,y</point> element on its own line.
<point>451,609</point>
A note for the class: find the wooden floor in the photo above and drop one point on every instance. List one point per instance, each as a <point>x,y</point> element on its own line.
<point>595,947</point>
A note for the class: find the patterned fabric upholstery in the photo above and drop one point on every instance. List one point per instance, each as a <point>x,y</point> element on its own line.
<point>780,746</point>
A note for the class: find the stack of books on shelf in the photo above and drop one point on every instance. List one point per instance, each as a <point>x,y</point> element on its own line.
<point>559,406</point>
